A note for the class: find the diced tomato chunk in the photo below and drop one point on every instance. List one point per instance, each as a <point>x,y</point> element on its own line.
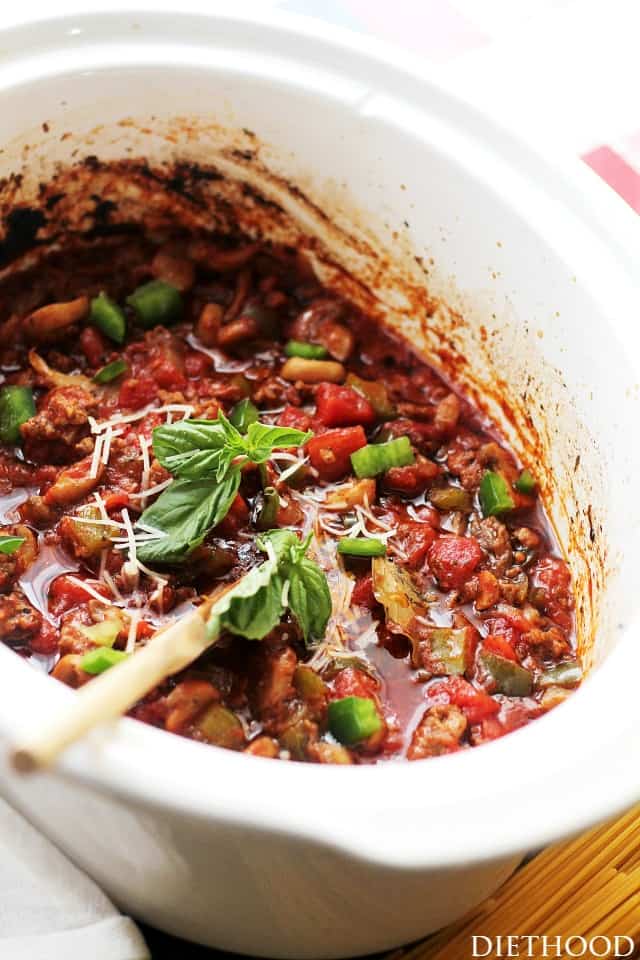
<point>294,417</point>
<point>330,452</point>
<point>508,617</point>
<point>500,627</point>
<point>494,643</point>
<point>144,630</point>
<point>93,346</point>
<point>363,595</point>
<point>551,580</point>
<point>116,501</point>
<point>343,407</point>
<point>352,682</point>
<point>65,594</point>
<point>513,714</point>
<point>290,515</point>
<point>453,559</point>
<point>414,539</point>
<point>197,364</point>
<point>167,375</point>
<point>475,704</point>
<point>411,480</point>
<point>137,392</point>
<point>46,641</point>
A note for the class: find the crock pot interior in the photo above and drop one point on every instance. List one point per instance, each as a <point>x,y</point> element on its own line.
<point>397,232</point>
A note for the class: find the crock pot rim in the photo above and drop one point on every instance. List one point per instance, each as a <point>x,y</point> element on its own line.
<point>144,764</point>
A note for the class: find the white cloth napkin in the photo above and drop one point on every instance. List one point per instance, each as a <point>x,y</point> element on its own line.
<point>49,909</point>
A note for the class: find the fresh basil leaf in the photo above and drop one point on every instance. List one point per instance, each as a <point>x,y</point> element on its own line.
<point>191,448</point>
<point>200,448</point>
<point>186,436</point>
<point>10,544</point>
<point>256,616</point>
<point>253,607</point>
<point>300,547</point>
<point>195,466</point>
<point>233,438</point>
<point>282,541</point>
<point>262,439</point>
<point>309,598</point>
<point>243,414</point>
<point>185,512</point>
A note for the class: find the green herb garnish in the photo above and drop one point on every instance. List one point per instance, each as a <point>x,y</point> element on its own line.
<point>286,580</point>
<point>205,456</point>
<point>184,513</point>
<point>199,448</point>
<point>244,414</point>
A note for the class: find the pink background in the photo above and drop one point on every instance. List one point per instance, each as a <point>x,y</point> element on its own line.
<point>567,69</point>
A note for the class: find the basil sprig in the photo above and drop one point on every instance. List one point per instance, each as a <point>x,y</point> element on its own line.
<point>259,600</point>
<point>185,512</point>
<point>205,457</point>
<point>197,448</point>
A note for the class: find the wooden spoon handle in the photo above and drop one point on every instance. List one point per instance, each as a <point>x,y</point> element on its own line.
<point>116,690</point>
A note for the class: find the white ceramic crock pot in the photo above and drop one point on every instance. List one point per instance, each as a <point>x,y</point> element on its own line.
<point>290,860</point>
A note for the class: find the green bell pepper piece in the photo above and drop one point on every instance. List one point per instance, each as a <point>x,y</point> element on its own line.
<point>353,719</point>
<point>510,678</point>
<point>566,674</point>
<point>16,407</point>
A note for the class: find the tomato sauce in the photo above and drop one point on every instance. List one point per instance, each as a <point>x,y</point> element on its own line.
<point>451,619</point>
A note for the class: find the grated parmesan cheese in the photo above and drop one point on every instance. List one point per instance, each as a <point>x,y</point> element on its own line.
<point>84,585</point>
<point>134,619</point>
<point>151,491</point>
<point>99,426</point>
<point>411,510</point>
<point>146,468</point>
<point>130,570</point>
<point>295,466</point>
<point>108,436</point>
<point>101,505</point>
<point>376,521</point>
<point>97,454</point>
<point>111,584</point>
<point>397,552</point>
<point>98,522</point>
